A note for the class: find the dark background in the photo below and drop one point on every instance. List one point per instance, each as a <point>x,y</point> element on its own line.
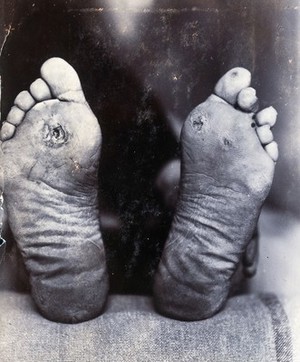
<point>142,67</point>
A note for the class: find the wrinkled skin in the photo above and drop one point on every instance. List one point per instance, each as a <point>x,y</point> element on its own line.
<point>50,152</point>
<point>226,174</point>
<point>50,190</point>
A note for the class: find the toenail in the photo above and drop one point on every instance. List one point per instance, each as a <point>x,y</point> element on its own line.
<point>24,101</point>
<point>15,116</point>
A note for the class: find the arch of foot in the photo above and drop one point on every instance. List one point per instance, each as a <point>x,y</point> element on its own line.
<point>208,233</point>
<point>58,80</point>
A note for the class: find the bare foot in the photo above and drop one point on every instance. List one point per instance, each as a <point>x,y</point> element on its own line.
<point>227,170</point>
<point>50,152</point>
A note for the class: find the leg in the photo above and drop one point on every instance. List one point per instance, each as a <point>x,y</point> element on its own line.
<point>50,151</point>
<point>226,173</point>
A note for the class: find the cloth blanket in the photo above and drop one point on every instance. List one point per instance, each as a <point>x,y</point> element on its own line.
<point>250,328</point>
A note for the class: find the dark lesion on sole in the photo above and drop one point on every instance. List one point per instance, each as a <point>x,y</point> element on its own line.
<point>55,136</point>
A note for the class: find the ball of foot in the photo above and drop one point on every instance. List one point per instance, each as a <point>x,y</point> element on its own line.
<point>51,147</point>
<point>227,169</point>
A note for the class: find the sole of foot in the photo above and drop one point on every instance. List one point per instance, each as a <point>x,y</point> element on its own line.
<point>227,166</point>
<point>50,148</point>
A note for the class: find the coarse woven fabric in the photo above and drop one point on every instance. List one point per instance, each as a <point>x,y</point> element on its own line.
<point>250,328</point>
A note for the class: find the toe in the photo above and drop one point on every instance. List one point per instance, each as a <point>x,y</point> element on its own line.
<point>40,90</point>
<point>267,116</point>
<point>24,101</point>
<point>7,131</point>
<point>63,80</point>
<point>265,134</point>
<point>15,116</point>
<point>215,98</point>
<point>231,84</point>
<point>247,100</point>
<point>272,150</point>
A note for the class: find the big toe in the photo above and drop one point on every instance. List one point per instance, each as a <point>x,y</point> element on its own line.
<point>62,80</point>
<point>231,84</point>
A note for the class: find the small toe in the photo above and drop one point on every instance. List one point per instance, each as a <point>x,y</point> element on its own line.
<point>265,134</point>
<point>15,116</point>
<point>40,90</point>
<point>272,150</point>
<point>247,100</point>
<point>267,116</point>
<point>231,84</point>
<point>7,131</point>
<point>24,101</point>
<point>63,80</point>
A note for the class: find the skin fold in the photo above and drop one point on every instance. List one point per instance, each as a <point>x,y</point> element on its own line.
<point>51,145</point>
<point>226,175</point>
<point>50,191</point>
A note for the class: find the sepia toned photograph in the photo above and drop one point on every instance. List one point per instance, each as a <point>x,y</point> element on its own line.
<point>150,180</point>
